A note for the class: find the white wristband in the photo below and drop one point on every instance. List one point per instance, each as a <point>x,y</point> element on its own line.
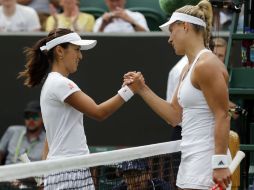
<point>219,161</point>
<point>126,93</point>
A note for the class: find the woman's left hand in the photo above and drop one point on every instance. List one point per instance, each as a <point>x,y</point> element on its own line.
<point>222,177</point>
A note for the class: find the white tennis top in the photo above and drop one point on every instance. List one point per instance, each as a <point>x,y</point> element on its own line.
<point>198,120</point>
<point>197,144</point>
<point>64,124</point>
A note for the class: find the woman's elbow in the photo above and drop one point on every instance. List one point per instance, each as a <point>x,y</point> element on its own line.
<point>173,121</point>
<point>100,116</point>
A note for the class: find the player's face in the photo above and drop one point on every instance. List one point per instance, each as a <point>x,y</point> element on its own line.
<point>71,58</point>
<point>113,4</point>
<point>177,37</point>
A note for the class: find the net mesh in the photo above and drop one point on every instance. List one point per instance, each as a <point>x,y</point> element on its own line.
<point>145,167</point>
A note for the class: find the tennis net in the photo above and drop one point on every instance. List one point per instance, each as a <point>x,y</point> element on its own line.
<point>143,167</point>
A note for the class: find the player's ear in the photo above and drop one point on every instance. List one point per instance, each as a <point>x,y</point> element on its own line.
<point>59,51</point>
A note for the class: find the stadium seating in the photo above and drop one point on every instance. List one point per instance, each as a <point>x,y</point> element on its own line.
<point>93,4</point>
<point>154,18</point>
<point>241,78</point>
<point>150,8</point>
<point>95,11</point>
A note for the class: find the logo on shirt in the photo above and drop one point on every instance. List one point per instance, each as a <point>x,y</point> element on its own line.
<point>71,86</point>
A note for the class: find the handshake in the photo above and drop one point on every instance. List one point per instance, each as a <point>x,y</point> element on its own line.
<point>133,82</point>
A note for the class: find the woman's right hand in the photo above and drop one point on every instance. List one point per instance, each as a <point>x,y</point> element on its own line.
<point>107,17</point>
<point>134,80</point>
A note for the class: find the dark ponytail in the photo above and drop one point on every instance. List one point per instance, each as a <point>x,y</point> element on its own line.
<point>38,63</point>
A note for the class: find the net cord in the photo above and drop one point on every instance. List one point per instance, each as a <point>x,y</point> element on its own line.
<point>40,168</point>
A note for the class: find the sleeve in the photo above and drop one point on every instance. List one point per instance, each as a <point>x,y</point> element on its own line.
<point>90,23</point>
<point>5,140</point>
<point>50,23</point>
<point>97,24</point>
<point>64,88</point>
<point>34,21</point>
<point>140,19</point>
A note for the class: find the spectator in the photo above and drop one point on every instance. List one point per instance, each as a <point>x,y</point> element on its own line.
<point>21,139</point>
<point>136,175</point>
<point>70,18</point>
<point>42,8</point>
<point>16,18</point>
<point>119,19</point>
<point>220,48</point>
<point>222,19</point>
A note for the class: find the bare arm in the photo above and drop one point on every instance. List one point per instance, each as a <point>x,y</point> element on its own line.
<point>45,150</point>
<point>121,13</point>
<point>82,102</point>
<point>170,112</point>
<point>106,19</point>
<point>211,77</point>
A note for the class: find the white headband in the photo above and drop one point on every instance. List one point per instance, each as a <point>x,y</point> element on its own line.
<point>182,17</point>
<point>72,38</point>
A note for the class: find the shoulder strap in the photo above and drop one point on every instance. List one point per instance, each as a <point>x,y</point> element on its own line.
<point>17,150</point>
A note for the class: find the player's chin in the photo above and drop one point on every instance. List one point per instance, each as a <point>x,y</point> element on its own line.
<point>74,69</point>
<point>179,52</point>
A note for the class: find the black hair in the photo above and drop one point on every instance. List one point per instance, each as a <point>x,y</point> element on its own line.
<point>38,63</point>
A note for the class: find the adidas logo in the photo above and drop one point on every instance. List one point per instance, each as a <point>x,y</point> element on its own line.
<point>221,163</point>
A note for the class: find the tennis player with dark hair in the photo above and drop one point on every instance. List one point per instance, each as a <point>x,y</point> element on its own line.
<point>201,100</point>
<point>63,103</point>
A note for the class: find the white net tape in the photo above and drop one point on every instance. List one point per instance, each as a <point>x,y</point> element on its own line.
<point>40,168</point>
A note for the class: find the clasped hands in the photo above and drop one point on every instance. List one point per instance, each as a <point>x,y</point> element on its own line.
<point>118,13</point>
<point>134,80</point>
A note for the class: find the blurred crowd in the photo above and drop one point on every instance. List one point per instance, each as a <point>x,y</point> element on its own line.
<point>45,15</point>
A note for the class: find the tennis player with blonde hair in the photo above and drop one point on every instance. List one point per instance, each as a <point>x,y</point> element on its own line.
<point>201,100</point>
<point>63,104</point>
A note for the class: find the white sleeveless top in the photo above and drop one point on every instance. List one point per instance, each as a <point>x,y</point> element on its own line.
<point>197,120</point>
<point>197,144</point>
